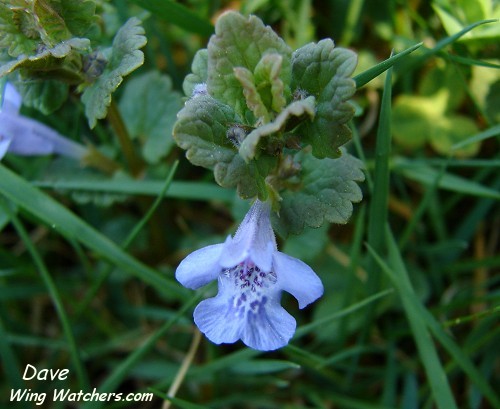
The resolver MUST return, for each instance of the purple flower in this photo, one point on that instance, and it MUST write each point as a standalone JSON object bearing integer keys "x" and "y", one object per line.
{"x": 25, "y": 136}
{"x": 251, "y": 273}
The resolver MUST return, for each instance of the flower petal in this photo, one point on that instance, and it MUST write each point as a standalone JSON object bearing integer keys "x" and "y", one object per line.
{"x": 200, "y": 267}
{"x": 232, "y": 254}
{"x": 30, "y": 137}
{"x": 5, "y": 141}
{"x": 213, "y": 317}
{"x": 297, "y": 278}
{"x": 261, "y": 324}
{"x": 11, "y": 99}
{"x": 35, "y": 138}
{"x": 269, "y": 328}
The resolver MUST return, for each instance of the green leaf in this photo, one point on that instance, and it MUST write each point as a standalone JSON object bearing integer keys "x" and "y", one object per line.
{"x": 201, "y": 129}
{"x": 452, "y": 130}
{"x": 414, "y": 117}
{"x": 45, "y": 95}
{"x": 417, "y": 120}
{"x": 29, "y": 26}
{"x": 241, "y": 42}
{"x": 199, "y": 72}
{"x": 79, "y": 16}
{"x": 298, "y": 109}
{"x": 321, "y": 70}
{"x": 485, "y": 86}
{"x": 325, "y": 193}
{"x": 47, "y": 59}
{"x": 125, "y": 58}
{"x": 473, "y": 12}
{"x": 50, "y": 26}
{"x": 13, "y": 38}
{"x": 264, "y": 91}
{"x": 267, "y": 74}
{"x": 149, "y": 107}
{"x": 252, "y": 95}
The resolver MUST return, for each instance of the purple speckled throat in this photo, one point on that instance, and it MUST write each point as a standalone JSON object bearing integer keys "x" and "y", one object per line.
{"x": 251, "y": 285}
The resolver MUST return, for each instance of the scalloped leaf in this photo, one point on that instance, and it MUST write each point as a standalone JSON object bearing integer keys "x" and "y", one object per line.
{"x": 47, "y": 59}
{"x": 201, "y": 129}
{"x": 267, "y": 74}
{"x": 30, "y": 26}
{"x": 78, "y": 15}
{"x": 149, "y": 108}
{"x": 324, "y": 71}
{"x": 126, "y": 56}
{"x": 252, "y": 96}
{"x": 46, "y": 96}
{"x": 241, "y": 42}
{"x": 327, "y": 190}
{"x": 199, "y": 72}
{"x": 13, "y": 39}
{"x": 298, "y": 109}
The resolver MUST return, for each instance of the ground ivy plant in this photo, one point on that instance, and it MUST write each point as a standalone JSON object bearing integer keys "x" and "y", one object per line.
{"x": 272, "y": 122}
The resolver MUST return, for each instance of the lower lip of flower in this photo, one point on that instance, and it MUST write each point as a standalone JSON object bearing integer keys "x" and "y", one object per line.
{"x": 250, "y": 285}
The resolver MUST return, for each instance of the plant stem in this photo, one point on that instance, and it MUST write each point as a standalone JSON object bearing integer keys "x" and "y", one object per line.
{"x": 184, "y": 368}
{"x": 134, "y": 161}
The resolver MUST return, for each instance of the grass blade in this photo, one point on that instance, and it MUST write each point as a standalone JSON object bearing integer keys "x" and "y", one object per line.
{"x": 428, "y": 176}
{"x": 56, "y": 299}
{"x": 178, "y": 190}
{"x": 130, "y": 238}
{"x": 121, "y": 371}
{"x": 11, "y": 367}
{"x": 413, "y": 306}
{"x": 366, "y": 76}
{"x": 59, "y": 218}
{"x": 442, "y": 44}
{"x": 177, "y": 14}
{"x": 306, "y": 329}
{"x": 378, "y": 207}
{"x": 489, "y": 133}
{"x": 435, "y": 372}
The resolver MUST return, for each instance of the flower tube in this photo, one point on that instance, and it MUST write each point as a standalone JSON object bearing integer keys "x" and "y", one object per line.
{"x": 25, "y": 136}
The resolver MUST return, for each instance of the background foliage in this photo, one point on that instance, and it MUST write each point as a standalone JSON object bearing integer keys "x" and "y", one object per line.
{"x": 409, "y": 318}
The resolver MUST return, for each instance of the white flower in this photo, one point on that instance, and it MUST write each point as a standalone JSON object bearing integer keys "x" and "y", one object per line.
{"x": 251, "y": 274}
{"x": 25, "y": 136}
